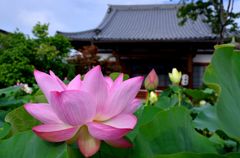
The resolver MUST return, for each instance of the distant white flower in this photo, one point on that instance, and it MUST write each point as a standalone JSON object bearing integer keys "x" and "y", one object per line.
{"x": 26, "y": 88}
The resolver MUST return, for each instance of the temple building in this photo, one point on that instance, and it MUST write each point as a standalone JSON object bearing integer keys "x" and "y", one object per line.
{"x": 143, "y": 37}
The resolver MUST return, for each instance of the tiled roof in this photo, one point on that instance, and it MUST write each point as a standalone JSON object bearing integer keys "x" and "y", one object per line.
{"x": 83, "y": 35}
{"x": 143, "y": 23}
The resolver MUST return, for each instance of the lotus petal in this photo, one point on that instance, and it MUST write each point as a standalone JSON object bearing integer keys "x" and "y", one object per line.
{"x": 43, "y": 112}
{"x": 75, "y": 84}
{"x": 74, "y": 107}
{"x": 95, "y": 83}
{"x": 135, "y": 104}
{"x": 112, "y": 129}
{"x": 109, "y": 81}
{"x": 118, "y": 81}
{"x": 122, "y": 121}
{"x": 87, "y": 144}
{"x": 58, "y": 80}
{"x": 55, "y": 132}
{"x": 120, "y": 98}
{"x": 47, "y": 83}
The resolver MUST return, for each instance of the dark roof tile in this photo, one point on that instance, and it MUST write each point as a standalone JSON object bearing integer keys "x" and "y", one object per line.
{"x": 144, "y": 22}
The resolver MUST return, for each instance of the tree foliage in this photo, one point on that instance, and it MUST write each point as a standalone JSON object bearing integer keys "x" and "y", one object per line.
{"x": 21, "y": 54}
{"x": 214, "y": 12}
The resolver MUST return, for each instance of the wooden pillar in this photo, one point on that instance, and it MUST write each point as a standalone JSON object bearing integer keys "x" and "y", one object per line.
{"x": 119, "y": 61}
{"x": 190, "y": 69}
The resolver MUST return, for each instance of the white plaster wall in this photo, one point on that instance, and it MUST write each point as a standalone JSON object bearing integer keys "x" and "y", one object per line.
{"x": 104, "y": 56}
{"x": 202, "y": 58}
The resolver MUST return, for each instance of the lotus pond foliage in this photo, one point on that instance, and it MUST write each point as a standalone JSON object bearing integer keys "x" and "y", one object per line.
{"x": 99, "y": 116}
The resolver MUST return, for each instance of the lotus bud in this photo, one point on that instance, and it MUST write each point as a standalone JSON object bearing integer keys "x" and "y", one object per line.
{"x": 175, "y": 76}
{"x": 153, "y": 97}
{"x": 151, "y": 81}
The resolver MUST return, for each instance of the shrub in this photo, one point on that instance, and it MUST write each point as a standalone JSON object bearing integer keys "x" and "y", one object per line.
{"x": 21, "y": 54}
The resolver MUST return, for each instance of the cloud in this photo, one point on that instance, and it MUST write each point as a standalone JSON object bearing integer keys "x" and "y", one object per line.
{"x": 29, "y": 18}
{"x": 236, "y": 6}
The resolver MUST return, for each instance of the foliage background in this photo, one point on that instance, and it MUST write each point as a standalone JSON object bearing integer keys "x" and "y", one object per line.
{"x": 21, "y": 54}
{"x": 219, "y": 14}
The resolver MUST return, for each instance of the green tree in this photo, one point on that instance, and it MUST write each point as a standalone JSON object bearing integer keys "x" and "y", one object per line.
{"x": 21, "y": 54}
{"x": 214, "y": 12}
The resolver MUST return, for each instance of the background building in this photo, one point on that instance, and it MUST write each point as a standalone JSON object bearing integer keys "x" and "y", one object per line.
{"x": 143, "y": 37}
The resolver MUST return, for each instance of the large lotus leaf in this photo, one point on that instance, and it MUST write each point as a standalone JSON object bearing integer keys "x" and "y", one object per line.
{"x": 223, "y": 74}
{"x": 11, "y": 102}
{"x": 195, "y": 155}
{"x": 4, "y": 130}
{"x": 114, "y": 75}
{"x": 170, "y": 131}
{"x": 107, "y": 151}
{"x": 198, "y": 94}
{"x": 165, "y": 102}
{"x": 195, "y": 94}
{"x": 3, "y": 113}
{"x": 28, "y": 145}
{"x": 144, "y": 114}
{"x": 20, "y": 120}
{"x": 8, "y": 97}
{"x": 206, "y": 118}
{"x": 39, "y": 97}
{"x": 9, "y": 90}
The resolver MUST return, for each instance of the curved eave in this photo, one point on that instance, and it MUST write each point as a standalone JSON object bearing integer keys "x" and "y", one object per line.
{"x": 83, "y": 35}
{"x": 147, "y": 40}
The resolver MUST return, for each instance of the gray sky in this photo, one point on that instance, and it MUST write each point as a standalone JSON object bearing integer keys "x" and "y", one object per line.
{"x": 63, "y": 15}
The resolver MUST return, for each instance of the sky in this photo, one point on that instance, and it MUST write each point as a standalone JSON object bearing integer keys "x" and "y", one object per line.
{"x": 62, "y": 15}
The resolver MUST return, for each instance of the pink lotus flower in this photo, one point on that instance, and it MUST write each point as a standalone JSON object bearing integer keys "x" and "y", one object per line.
{"x": 151, "y": 81}
{"x": 89, "y": 111}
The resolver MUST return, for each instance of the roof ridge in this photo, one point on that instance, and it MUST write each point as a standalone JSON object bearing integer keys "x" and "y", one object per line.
{"x": 144, "y": 6}
{"x": 107, "y": 18}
